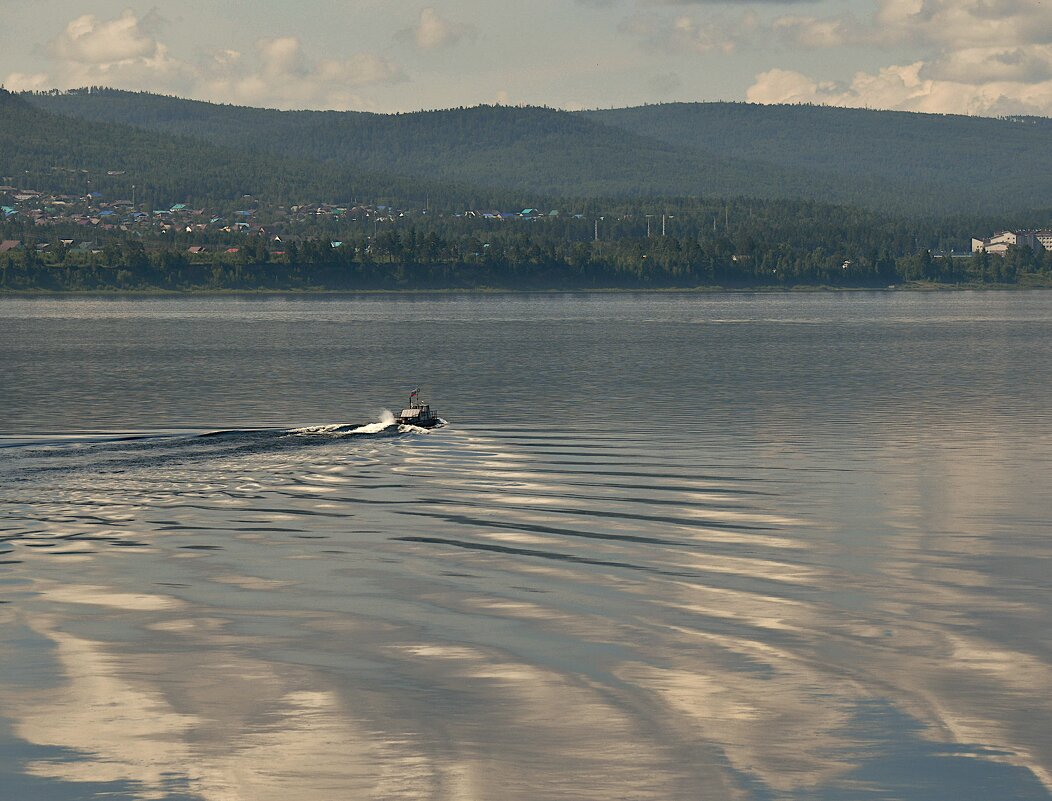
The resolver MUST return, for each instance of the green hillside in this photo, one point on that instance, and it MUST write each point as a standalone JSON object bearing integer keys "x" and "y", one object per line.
{"x": 535, "y": 150}
{"x": 976, "y": 162}
{"x": 895, "y": 161}
{"x": 43, "y": 150}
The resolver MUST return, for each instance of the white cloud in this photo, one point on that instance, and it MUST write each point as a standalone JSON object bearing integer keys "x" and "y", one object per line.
{"x": 281, "y": 58}
{"x": 980, "y": 57}
{"x": 25, "y": 82}
{"x": 121, "y": 51}
{"x": 126, "y": 53}
{"x": 433, "y": 31}
{"x": 285, "y": 77}
{"x": 1026, "y": 64}
{"x": 905, "y": 88}
{"x": 969, "y": 56}
{"x": 88, "y": 40}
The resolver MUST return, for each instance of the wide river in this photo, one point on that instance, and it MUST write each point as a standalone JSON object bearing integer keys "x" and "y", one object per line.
{"x": 668, "y": 547}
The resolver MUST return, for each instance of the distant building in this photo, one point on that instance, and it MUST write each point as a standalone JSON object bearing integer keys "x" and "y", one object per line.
{"x": 10, "y": 244}
{"x": 1002, "y": 240}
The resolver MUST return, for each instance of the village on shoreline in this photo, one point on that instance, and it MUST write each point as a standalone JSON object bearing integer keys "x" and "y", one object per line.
{"x": 67, "y": 242}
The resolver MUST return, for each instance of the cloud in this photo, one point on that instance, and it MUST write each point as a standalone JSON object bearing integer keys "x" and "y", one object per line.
{"x": 1026, "y": 64}
{"x": 965, "y": 23}
{"x": 87, "y": 40}
{"x": 284, "y": 77}
{"x": 433, "y": 31}
{"x": 282, "y": 58}
{"x": 982, "y": 57}
{"x": 125, "y": 52}
{"x": 715, "y": 34}
{"x": 905, "y": 88}
{"x": 815, "y": 32}
{"x": 122, "y": 51}
{"x": 26, "y": 82}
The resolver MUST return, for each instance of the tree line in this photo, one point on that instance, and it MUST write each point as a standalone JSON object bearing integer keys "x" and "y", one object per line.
{"x": 415, "y": 259}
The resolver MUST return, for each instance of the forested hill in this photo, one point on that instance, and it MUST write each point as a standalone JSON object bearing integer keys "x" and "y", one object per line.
{"x": 903, "y": 162}
{"x": 534, "y": 150}
{"x": 47, "y": 151}
{"x": 991, "y": 160}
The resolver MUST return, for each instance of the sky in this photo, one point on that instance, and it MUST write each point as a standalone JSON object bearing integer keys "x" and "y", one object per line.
{"x": 982, "y": 57}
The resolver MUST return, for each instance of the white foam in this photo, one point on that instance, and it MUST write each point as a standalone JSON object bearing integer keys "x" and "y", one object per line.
{"x": 387, "y": 419}
{"x": 329, "y": 429}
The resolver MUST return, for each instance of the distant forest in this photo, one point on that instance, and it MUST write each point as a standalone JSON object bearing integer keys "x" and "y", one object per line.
{"x": 774, "y": 244}
{"x": 891, "y": 161}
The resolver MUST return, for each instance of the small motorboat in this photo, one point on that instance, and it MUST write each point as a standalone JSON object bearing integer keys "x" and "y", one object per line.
{"x": 418, "y": 413}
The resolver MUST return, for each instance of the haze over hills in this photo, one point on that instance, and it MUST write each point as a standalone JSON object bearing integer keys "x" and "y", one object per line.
{"x": 898, "y": 161}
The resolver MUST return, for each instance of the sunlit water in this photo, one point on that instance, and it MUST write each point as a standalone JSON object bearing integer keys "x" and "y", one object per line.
{"x": 667, "y": 547}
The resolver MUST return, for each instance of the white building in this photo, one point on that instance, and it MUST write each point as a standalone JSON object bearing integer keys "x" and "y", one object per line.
{"x": 1002, "y": 240}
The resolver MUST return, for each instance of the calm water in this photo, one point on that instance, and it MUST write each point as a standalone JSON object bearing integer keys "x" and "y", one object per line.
{"x": 668, "y": 547}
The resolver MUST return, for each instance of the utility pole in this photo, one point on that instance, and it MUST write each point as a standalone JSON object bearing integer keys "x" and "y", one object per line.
{"x": 597, "y": 229}
{"x": 664, "y": 217}
{"x": 648, "y": 225}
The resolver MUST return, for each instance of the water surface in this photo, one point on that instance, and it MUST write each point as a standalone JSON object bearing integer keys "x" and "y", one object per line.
{"x": 668, "y": 547}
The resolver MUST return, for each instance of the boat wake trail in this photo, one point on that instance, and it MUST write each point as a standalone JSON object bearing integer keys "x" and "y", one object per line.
{"x": 386, "y": 424}
{"x": 386, "y": 421}
{"x": 122, "y": 451}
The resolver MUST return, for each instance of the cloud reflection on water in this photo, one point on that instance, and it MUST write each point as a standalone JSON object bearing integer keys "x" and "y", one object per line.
{"x": 776, "y": 599}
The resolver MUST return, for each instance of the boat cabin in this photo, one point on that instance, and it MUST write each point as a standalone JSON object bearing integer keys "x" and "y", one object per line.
{"x": 418, "y": 414}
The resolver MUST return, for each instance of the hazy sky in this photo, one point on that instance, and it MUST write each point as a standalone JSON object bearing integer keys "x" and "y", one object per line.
{"x": 959, "y": 56}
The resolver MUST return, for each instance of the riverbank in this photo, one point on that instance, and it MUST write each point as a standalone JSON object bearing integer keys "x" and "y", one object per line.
{"x": 308, "y": 291}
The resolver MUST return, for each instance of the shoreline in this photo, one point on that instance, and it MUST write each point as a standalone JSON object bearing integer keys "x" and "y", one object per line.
{"x": 702, "y": 290}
